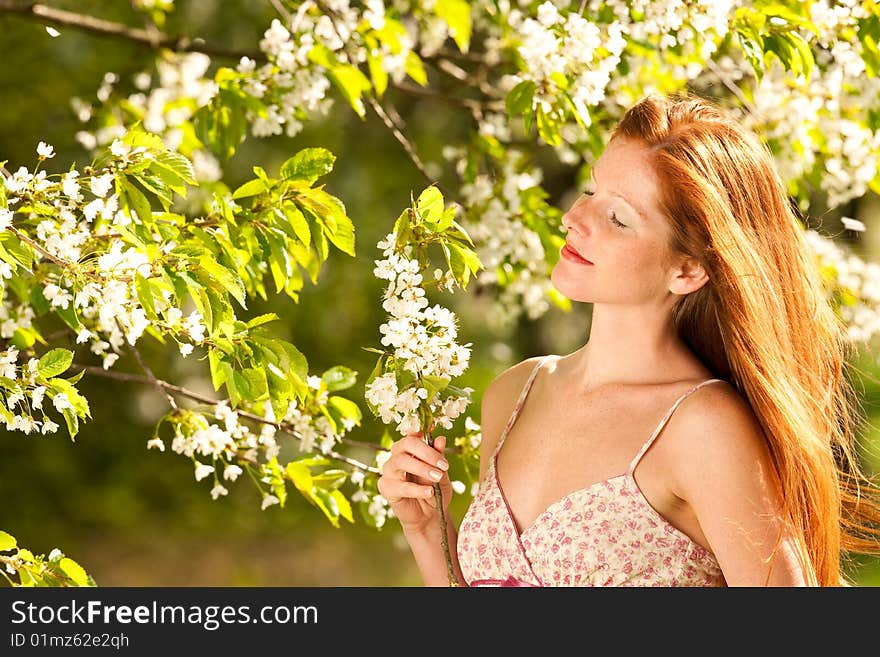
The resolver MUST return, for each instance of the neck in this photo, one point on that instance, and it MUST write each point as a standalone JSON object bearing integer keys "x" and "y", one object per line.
{"x": 628, "y": 345}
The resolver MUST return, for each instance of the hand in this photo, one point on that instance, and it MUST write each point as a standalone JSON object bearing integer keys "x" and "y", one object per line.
{"x": 407, "y": 484}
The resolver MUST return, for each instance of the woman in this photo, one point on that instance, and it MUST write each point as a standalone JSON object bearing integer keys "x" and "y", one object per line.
{"x": 709, "y": 316}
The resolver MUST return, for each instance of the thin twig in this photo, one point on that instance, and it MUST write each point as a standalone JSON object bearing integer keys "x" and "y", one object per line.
{"x": 468, "y": 103}
{"x": 354, "y": 462}
{"x": 304, "y": 7}
{"x": 401, "y": 138}
{"x": 444, "y": 537}
{"x": 137, "y": 378}
{"x": 152, "y": 38}
{"x": 24, "y": 238}
{"x": 153, "y": 379}
{"x": 733, "y": 88}
{"x": 64, "y": 264}
{"x": 281, "y": 10}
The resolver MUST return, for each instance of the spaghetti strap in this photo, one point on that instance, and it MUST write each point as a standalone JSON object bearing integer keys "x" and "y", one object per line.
{"x": 519, "y": 403}
{"x": 635, "y": 461}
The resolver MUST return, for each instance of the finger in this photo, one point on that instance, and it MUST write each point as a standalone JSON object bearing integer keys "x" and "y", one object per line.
{"x": 420, "y": 449}
{"x": 408, "y": 463}
{"x": 394, "y": 490}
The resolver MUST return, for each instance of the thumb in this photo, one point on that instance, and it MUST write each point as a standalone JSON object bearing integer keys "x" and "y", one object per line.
{"x": 440, "y": 443}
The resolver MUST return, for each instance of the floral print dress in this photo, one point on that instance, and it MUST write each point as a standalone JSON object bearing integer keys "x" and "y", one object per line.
{"x": 606, "y": 534}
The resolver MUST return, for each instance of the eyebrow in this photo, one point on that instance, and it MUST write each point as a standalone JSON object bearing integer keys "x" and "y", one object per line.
{"x": 618, "y": 195}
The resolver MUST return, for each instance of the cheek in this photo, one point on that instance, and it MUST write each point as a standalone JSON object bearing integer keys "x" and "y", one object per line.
{"x": 632, "y": 263}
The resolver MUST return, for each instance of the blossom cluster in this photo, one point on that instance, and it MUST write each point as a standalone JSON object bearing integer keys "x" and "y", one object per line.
{"x": 288, "y": 85}
{"x": 223, "y": 445}
{"x": 424, "y": 343}
{"x": 26, "y": 395}
{"x": 854, "y": 281}
{"x": 107, "y": 304}
{"x": 163, "y": 102}
{"x": 504, "y": 241}
{"x": 586, "y": 54}
{"x": 825, "y": 118}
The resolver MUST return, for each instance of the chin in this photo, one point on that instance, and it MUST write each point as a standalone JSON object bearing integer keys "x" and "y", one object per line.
{"x": 568, "y": 287}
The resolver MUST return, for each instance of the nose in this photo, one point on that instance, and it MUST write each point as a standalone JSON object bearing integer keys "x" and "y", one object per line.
{"x": 573, "y": 220}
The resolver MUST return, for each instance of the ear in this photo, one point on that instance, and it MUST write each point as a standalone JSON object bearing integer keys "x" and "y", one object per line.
{"x": 688, "y": 277}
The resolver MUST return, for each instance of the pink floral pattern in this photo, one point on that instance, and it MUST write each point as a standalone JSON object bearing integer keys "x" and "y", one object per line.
{"x": 606, "y": 534}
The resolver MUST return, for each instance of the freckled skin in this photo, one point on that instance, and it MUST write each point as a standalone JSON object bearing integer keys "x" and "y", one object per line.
{"x": 628, "y": 261}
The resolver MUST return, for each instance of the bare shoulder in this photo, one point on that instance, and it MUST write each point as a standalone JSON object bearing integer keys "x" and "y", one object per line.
{"x": 724, "y": 471}
{"x": 717, "y": 424}
{"x": 496, "y": 405}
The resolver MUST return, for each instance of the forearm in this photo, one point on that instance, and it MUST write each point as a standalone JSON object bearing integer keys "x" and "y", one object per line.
{"x": 428, "y": 552}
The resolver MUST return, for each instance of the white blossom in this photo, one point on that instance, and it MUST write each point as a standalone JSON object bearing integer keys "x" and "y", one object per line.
{"x": 268, "y": 500}
{"x": 218, "y": 490}
{"x": 45, "y": 151}
{"x": 203, "y": 470}
{"x": 60, "y": 401}
{"x": 156, "y": 443}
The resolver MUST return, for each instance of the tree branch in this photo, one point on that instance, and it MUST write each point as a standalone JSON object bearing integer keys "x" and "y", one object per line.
{"x": 137, "y": 378}
{"x": 152, "y": 377}
{"x": 401, "y": 138}
{"x": 467, "y": 103}
{"x": 152, "y": 38}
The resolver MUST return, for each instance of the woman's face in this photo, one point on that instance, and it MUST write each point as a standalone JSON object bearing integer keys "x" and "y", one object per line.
{"x": 618, "y": 227}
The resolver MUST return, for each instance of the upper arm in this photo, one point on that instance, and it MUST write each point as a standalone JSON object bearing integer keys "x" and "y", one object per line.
{"x": 496, "y": 406}
{"x": 734, "y": 490}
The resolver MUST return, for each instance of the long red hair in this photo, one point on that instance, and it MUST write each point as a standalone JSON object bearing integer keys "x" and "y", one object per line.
{"x": 764, "y": 321}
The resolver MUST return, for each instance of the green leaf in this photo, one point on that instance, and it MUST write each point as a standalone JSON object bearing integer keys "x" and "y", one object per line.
{"x": 342, "y": 236}
{"x": 519, "y": 99}
{"x": 218, "y": 374}
{"x": 72, "y": 422}
{"x": 446, "y": 220}
{"x": 415, "y": 68}
{"x": 347, "y": 408}
{"x": 309, "y": 164}
{"x": 277, "y": 481}
{"x": 430, "y": 205}
{"x": 379, "y": 368}
{"x": 7, "y": 541}
{"x": 548, "y": 127}
{"x": 222, "y": 123}
{"x": 378, "y": 73}
{"x": 353, "y": 84}
{"x": 434, "y": 384}
{"x": 339, "y": 378}
{"x": 145, "y": 296}
{"x": 176, "y": 164}
{"x": 301, "y": 476}
{"x": 256, "y": 381}
{"x": 228, "y": 279}
{"x": 138, "y": 201}
{"x": 22, "y": 253}
{"x": 74, "y": 571}
{"x": 463, "y": 262}
{"x": 54, "y": 362}
{"x": 250, "y": 188}
{"x": 328, "y": 504}
{"x": 298, "y": 223}
{"x": 259, "y": 320}
{"x": 80, "y": 404}
{"x": 231, "y": 387}
{"x": 69, "y": 316}
{"x": 343, "y": 504}
{"x": 457, "y": 14}
{"x": 297, "y": 362}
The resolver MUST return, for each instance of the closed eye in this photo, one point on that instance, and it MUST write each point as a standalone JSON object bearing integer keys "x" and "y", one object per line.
{"x": 613, "y": 217}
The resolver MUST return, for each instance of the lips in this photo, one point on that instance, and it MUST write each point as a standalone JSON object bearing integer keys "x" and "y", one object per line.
{"x": 569, "y": 251}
